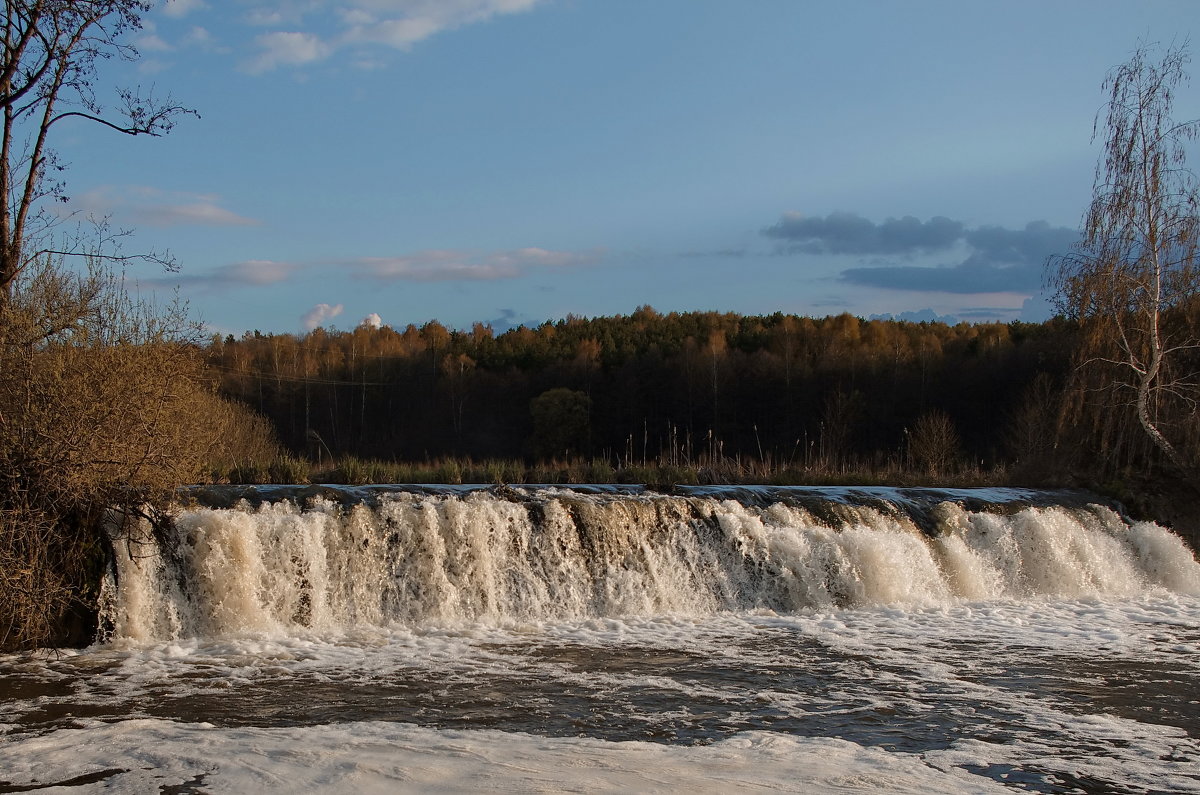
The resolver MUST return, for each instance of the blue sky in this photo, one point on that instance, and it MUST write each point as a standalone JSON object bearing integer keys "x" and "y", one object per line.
{"x": 513, "y": 161}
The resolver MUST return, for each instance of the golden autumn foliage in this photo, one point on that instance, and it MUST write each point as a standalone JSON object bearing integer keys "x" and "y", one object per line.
{"x": 105, "y": 409}
{"x": 839, "y": 393}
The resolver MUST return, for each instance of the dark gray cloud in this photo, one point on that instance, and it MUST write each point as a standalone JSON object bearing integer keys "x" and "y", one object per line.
{"x": 994, "y": 259}
{"x": 918, "y": 316}
{"x": 850, "y": 233}
{"x": 999, "y": 261}
{"x": 1031, "y": 245}
{"x": 509, "y": 320}
{"x": 1036, "y": 309}
{"x": 986, "y": 313}
{"x": 971, "y": 276}
{"x": 834, "y": 301}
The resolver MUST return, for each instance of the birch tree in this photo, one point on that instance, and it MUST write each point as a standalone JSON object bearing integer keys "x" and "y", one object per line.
{"x": 1132, "y": 281}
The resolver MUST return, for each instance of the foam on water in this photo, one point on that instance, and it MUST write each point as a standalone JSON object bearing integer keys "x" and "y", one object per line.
{"x": 415, "y": 559}
{"x": 147, "y": 755}
{"x": 963, "y": 697}
{"x": 627, "y": 642}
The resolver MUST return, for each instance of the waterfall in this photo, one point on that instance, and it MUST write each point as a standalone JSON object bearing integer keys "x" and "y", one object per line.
{"x": 284, "y": 561}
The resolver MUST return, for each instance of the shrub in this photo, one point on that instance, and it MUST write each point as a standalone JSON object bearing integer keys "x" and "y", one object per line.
{"x": 105, "y": 410}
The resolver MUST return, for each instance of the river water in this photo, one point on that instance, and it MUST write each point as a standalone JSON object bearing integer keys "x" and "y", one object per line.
{"x": 605, "y": 640}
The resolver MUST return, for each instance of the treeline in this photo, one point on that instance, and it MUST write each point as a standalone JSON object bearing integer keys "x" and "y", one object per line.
{"x": 839, "y": 392}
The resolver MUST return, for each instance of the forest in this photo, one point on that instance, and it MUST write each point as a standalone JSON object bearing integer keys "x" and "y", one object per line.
{"x": 835, "y": 394}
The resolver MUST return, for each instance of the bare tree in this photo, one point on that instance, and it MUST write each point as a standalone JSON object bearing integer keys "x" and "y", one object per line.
{"x": 48, "y": 67}
{"x": 1132, "y": 281}
{"x": 933, "y": 444}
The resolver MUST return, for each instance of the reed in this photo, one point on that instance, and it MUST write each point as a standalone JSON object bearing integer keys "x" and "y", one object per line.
{"x": 662, "y": 472}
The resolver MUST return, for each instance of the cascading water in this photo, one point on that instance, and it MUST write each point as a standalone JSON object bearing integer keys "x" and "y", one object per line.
{"x": 452, "y": 639}
{"x": 551, "y": 554}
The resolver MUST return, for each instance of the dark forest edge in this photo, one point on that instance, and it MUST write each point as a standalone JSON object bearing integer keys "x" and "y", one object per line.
{"x": 838, "y": 394}
{"x": 735, "y": 396}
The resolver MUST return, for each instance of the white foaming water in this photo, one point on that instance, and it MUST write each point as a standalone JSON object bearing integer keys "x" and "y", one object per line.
{"x": 415, "y": 560}
{"x": 567, "y": 642}
{"x": 973, "y": 697}
{"x": 388, "y": 758}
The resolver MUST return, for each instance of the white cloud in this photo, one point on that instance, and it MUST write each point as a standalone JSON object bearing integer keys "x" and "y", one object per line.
{"x": 287, "y": 49}
{"x": 431, "y": 266}
{"x": 152, "y": 43}
{"x": 264, "y": 17}
{"x": 372, "y": 320}
{"x": 251, "y": 273}
{"x": 198, "y": 37}
{"x": 151, "y": 66}
{"x": 319, "y": 315}
{"x": 291, "y": 13}
{"x": 255, "y": 272}
{"x": 399, "y": 33}
{"x": 544, "y": 257}
{"x": 356, "y": 16}
{"x": 181, "y": 8}
{"x": 417, "y": 21}
{"x": 194, "y": 214}
{"x": 439, "y": 265}
{"x": 146, "y": 206}
{"x": 450, "y": 265}
{"x": 395, "y": 24}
